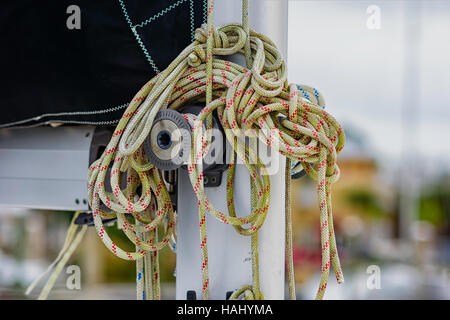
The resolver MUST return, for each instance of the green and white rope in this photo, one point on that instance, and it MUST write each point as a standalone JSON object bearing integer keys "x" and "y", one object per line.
{"x": 254, "y": 98}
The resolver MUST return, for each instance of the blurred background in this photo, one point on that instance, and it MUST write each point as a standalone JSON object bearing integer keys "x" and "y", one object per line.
{"x": 384, "y": 69}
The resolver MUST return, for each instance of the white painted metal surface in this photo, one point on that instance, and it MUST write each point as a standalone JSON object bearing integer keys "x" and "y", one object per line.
{"x": 45, "y": 167}
{"x": 229, "y": 252}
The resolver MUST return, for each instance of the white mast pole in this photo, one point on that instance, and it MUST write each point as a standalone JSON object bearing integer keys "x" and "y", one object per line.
{"x": 268, "y": 17}
{"x": 229, "y": 252}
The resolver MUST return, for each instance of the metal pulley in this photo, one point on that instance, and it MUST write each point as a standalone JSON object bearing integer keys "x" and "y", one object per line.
{"x": 215, "y": 161}
{"x": 169, "y": 143}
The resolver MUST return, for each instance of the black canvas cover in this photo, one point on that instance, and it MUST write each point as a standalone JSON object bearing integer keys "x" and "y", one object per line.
{"x": 51, "y": 70}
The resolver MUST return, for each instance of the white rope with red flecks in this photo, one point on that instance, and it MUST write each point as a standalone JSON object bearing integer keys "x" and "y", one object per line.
{"x": 257, "y": 98}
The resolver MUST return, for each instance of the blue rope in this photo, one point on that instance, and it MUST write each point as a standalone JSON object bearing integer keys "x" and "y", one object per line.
{"x": 305, "y": 94}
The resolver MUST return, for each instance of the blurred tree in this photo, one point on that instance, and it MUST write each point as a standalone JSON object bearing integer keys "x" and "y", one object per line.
{"x": 434, "y": 204}
{"x": 365, "y": 201}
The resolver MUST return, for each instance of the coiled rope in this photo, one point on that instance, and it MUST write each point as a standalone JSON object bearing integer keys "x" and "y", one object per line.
{"x": 257, "y": 97}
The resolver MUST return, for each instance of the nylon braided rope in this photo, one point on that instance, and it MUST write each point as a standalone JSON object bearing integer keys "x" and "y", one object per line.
{"x": 74, "y": 236}
{"x": 289, "y": 118}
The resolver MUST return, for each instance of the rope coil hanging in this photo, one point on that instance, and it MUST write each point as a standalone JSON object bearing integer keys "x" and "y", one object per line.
{"x": 254, "y": 98}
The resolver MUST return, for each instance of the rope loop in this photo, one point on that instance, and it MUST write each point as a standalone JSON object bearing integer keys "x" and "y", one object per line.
{"x": 247, "y": 293}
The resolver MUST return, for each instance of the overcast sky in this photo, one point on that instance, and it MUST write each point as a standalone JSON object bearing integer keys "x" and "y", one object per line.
{"x": 361, "y": 71}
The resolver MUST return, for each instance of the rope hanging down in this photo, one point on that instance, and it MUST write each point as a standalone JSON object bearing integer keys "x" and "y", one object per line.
{"x": 257, "y": 97}
{"x": 74, "y": 237}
